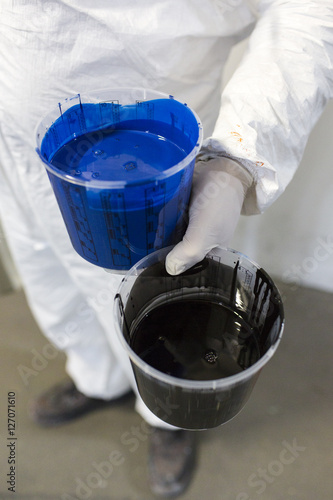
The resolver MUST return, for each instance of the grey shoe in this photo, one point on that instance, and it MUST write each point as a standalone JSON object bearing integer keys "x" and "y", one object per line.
{"x": 171, "y": 461}
{"x": 64, "y": 402}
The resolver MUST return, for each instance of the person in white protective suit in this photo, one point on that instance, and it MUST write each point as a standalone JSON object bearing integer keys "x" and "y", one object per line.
{"x": 255, "y": 132}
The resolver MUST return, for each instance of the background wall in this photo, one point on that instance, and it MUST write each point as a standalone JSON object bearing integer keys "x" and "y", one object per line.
{"x": 293, "y": 239}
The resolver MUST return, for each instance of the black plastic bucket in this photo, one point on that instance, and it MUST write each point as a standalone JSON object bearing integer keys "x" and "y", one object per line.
{"x": 231, "y": 281}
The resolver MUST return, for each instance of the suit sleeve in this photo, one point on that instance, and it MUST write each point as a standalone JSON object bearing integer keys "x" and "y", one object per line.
{"x": 276, "y": 95}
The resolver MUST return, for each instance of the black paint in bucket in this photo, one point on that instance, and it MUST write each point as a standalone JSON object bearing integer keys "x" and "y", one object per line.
{"x": 198, "y": 341}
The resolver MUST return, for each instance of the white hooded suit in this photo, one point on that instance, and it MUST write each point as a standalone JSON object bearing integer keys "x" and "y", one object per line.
{"x": 55, "y": 49}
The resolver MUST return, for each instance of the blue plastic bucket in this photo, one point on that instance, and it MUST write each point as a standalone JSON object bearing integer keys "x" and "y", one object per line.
{"x": 121, "y": 163}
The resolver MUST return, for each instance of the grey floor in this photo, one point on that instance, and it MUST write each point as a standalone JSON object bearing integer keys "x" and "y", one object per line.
{"x": 278, "y": 448}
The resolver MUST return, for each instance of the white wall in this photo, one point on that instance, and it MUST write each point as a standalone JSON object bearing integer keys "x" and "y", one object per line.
{"x": 294, "y": 238}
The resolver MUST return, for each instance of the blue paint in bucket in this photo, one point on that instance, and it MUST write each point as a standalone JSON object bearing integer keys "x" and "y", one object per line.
{"x": 121, "y": 174}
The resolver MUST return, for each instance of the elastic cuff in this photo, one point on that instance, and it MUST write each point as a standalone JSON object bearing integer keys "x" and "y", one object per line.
{"x": 214, "y": 149}
{"x": 232, "y": 166}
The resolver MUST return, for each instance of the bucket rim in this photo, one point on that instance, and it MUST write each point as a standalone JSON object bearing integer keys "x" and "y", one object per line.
{"x": 222, "y": 383}
{"x": 99, "y": 184}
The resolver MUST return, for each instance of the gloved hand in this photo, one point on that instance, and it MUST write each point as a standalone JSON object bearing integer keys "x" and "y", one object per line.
{"x": 218, "y": 191}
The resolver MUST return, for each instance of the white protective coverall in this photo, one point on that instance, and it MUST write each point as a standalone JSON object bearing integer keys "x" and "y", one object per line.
{"x": 50, "y": 50}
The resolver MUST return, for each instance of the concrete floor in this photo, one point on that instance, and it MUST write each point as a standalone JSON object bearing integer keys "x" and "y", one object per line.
{"x": 278, "y": 448}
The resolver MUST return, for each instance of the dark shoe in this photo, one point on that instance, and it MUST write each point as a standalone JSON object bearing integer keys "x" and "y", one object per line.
{"x": 171, "y": 461}
{"x": 63, "y": 403}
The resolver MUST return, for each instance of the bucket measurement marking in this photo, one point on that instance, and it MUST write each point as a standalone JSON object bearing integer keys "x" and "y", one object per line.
{"x": 114, "y": 210}
{"x": 144, "y": 110}
{"x": 75, "y": 119}
{"x": 263, "y": 296}
{"x": 155, "y": 217}
{"x": 80, "y": 219}
{"x": 182, "y": 202}
{"x": 105, "y": 111}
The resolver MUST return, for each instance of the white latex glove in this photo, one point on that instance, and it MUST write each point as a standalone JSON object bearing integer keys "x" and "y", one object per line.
{"x": 218, "y": 192}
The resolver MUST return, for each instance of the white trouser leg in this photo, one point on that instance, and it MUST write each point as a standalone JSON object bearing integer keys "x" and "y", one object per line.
{"x": 58, "y": 307}
{"x": 72, "y": 302}
{"x": 106, "y": 317}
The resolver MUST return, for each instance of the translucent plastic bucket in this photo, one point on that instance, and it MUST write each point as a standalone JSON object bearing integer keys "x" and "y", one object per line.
{"x": 120, "y": 163}
{"x": 249, "y": 333}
